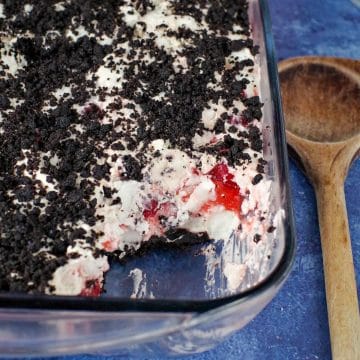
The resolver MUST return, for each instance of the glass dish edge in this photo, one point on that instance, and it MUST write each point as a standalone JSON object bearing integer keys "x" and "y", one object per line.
{"x": 21, "y": 301}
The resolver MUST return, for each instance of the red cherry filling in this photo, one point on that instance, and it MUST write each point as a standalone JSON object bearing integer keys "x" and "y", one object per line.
{"x": 93, "y": 288}
{"x": 152, "y": 209}
{"x": 107, "y": 245}
{"x": 227, "y": 191}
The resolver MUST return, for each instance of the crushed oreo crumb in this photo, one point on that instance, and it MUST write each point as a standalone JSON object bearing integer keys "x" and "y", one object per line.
{"x": 257, "y": 238}
{"x": 257, "y": 178}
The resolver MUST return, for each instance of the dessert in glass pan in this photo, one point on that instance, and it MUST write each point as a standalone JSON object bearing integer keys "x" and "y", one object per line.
{"x": 125, "y": 127}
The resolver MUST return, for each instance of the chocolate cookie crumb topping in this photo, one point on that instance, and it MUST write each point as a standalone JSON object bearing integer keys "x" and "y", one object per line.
{"x": 107, "y": 110}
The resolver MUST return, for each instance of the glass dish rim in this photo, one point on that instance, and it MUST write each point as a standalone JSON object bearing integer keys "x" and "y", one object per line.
{"x": 117, "y": 304}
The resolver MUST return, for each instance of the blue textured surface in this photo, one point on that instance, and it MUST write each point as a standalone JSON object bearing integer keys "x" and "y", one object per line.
{"x": 294, "y": 325}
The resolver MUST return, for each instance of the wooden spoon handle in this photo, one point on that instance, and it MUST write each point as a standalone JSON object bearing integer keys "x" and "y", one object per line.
{"x": 340, "y": 284}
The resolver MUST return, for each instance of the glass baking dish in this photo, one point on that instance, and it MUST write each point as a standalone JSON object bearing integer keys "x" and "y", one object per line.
{"x": 181, "y": 320}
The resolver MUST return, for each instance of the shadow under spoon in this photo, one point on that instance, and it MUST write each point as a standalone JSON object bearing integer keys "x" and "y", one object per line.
{"x": 321, "y": 101}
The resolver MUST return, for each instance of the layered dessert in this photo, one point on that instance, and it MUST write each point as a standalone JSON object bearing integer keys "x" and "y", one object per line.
{"x": 125, "y": 125}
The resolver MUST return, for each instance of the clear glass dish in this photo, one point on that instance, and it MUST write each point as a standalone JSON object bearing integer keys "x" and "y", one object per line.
{"x": 182, "y": 319}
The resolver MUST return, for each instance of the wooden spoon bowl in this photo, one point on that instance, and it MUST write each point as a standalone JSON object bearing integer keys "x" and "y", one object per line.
{"x": 321, "y": 100}
{"x": 331, "y": 102}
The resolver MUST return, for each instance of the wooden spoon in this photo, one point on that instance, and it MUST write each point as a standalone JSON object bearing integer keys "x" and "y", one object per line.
{"x": 321, "y": 99}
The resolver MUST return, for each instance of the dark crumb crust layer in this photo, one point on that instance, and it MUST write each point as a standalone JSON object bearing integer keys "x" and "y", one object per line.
{"x": 33, "y": 218}
{"x": 174, "y": 239}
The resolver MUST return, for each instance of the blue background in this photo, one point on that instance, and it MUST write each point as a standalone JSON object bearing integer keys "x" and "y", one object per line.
{"x": 294, "y": 325}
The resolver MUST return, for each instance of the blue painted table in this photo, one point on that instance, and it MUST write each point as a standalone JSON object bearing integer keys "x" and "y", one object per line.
{"x": 294, "y": 326}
